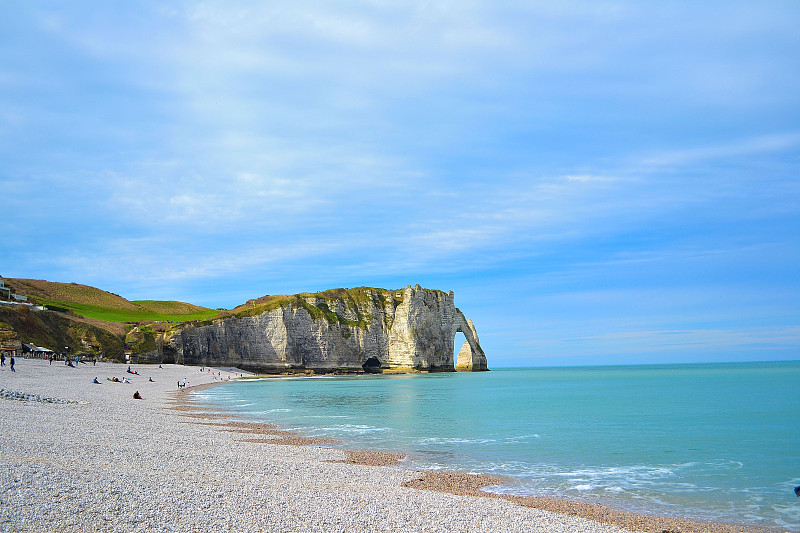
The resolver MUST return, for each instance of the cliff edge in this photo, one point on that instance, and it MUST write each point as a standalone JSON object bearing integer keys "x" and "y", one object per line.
{"x": 342, "y": 330}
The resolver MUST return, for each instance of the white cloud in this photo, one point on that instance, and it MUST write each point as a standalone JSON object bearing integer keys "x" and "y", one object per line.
{"x": 762, "y": 144}
{"x": 588, "y": 178}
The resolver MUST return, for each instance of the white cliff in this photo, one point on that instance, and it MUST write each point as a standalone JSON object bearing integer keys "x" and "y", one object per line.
{"x": 351, "y": 330}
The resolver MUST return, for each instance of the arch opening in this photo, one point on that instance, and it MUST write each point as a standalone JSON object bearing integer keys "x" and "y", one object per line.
{"x": 460, "y": 344}
{"x": 470, "y": 357}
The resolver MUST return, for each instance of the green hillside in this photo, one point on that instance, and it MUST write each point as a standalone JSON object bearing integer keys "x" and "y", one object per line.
{"x": 170, "y": 307}
{"x": 92, "y": 302}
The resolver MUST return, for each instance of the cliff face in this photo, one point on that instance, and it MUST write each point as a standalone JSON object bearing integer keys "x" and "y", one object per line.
{"x": 367, "y": 330}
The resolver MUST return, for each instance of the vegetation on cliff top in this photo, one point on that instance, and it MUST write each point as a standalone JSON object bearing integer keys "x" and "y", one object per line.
{"x": 318, "y": 304}
{"x": 94, "y": 303}
{"x": 91, "y": 302}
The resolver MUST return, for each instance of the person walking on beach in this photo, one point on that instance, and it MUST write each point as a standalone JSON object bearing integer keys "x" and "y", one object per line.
{"x": 12, "y": 364}
{"x": 3, "y": 359}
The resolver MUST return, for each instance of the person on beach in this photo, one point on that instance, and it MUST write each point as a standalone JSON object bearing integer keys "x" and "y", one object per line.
{"x": 12, "y": 364}
{"x": 137, "y": 396}
{"x": 150, "y": 379}
{"x": 95, "y": 380}
{"x": 3, "y": 359}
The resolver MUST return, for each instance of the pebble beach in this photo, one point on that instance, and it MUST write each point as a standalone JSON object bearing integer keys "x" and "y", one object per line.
{"x": 81, "y": 456}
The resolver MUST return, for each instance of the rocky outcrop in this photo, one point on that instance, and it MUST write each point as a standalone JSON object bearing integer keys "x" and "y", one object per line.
{"x": 346, "y": 330}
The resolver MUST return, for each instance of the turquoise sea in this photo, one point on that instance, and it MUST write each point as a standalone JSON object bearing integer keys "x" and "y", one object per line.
{"x": 715, "y": 441}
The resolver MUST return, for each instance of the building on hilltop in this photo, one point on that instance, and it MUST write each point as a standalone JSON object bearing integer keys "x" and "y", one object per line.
{"x": 7, "y": 293}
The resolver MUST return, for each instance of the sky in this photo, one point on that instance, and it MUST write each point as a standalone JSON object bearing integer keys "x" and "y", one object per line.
{"x": 599, "y": 182}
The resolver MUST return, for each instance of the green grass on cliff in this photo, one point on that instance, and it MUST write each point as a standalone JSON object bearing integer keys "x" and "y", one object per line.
{"x": 171, "y": 307}
{"x": 94, "y": 303}
{"x": 91, "y": 302}
{"x": 138, "y": 314}
{"x": 356, "y": 299}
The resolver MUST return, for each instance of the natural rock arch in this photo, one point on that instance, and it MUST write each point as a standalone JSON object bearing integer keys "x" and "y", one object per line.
{"x": 471, "y": 357}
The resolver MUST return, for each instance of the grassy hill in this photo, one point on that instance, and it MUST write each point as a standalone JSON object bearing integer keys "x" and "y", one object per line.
{"x": 95, "y": 303}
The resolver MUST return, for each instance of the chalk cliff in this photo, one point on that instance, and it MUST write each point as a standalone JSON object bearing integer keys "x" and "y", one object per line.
{"x": 350, "y": 330}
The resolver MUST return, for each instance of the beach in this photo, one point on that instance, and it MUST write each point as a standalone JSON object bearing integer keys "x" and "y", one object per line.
{"x": 80, "y": 456}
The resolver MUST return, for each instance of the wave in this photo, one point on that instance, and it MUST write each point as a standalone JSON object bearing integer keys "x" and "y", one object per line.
{"x": 454, "y": 440}
{"x": 352, "y": 428}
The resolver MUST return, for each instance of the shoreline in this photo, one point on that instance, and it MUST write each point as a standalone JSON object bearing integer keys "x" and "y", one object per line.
{"x": 470, "y": 484}
{"x": 102, "y": 461}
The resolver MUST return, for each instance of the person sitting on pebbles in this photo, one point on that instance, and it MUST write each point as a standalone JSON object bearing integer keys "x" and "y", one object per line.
{"x": 137, "y": 396}
{"x": 95, "y": 380}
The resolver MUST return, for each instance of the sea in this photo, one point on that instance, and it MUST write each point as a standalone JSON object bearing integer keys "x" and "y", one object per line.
{"x": 717, "y": 442}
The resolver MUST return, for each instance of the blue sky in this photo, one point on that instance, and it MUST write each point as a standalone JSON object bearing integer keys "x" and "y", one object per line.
{"x": 599, "y": 182}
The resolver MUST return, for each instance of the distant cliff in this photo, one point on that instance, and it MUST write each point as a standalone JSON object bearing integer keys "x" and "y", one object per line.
{"x": 342, "y": 330}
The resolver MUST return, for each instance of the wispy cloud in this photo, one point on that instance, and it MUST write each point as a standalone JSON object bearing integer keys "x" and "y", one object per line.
{"x": 763, "y": 144}
{"x": 303, "y": 143}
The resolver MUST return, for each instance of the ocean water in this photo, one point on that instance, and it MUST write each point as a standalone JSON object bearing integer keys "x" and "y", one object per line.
{"x": 716, "y": 441}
